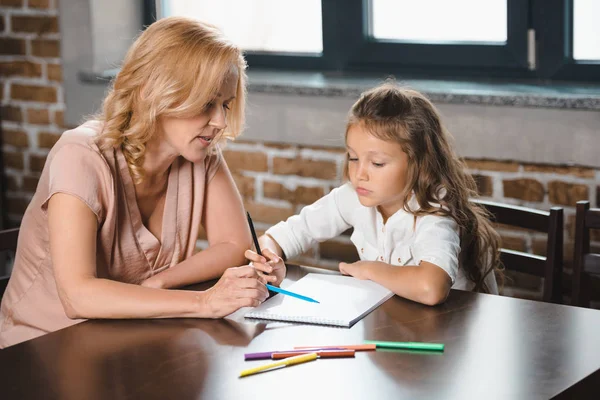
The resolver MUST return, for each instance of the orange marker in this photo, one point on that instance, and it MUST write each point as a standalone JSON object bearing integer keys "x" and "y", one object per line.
{"x": 357, "y": 347}
{"x": 321, "y": 354}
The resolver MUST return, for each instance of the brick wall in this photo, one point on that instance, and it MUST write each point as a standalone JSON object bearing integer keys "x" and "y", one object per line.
{"x": 31, "y": 94}
{"x": 275, "y": 180}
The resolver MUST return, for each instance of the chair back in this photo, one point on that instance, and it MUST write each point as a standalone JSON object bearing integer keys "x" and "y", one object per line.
{"x": 550, "y": 222}
{"x": 586, "y": 265}
{"x": 8, "y": 242}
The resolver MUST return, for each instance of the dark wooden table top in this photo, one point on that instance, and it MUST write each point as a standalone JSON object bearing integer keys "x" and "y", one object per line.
{"x": 496, "y": 348}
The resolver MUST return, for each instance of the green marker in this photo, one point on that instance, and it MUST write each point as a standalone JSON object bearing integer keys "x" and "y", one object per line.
{"x": 407, "y": 345}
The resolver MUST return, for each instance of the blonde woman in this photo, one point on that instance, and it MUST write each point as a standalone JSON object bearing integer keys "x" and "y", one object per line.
{"x": 117, "y": 211}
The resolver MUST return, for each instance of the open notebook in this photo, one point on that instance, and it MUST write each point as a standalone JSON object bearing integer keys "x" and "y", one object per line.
{"x": 343, "y": 300}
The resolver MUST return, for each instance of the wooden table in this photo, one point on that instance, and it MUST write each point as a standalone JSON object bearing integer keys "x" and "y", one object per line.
{"x": 496, "y": 348}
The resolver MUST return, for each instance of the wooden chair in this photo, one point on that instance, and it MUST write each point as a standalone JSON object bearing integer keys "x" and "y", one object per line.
{"x": 8, "y": 242}
{"x": 586, "y": 265}
{"x": 550, "y": 222}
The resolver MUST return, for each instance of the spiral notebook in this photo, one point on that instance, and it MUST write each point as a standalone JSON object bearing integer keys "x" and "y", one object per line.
{"x": 343, "y": 301}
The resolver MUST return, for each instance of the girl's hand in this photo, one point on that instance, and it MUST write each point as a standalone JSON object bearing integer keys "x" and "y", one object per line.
{"x": 238, "y": 287}
{"x": 274, "y": 267}
{"x": 359, "y": 269}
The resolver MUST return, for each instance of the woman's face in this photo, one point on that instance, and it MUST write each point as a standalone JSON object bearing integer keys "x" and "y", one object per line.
{"x": 191, "y": 137}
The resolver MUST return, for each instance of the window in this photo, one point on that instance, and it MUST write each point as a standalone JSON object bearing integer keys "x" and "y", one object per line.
{"x": 441, "y": 37}
{"x": 567, "y": 39}
{"x": 259, "y": 25}
{"x": 531, "y": 39}
{"x": 268, "y": 30}
{"x": 453, "y": 21}
{"x": 586, "y": 31}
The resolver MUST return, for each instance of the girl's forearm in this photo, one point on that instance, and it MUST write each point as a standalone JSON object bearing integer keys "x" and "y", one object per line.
{"x": 412, "y": 282}
{"x": 203, "y": 266}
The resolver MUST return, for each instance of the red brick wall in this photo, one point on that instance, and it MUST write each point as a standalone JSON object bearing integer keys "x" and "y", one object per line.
{"x": 30, "y": 94}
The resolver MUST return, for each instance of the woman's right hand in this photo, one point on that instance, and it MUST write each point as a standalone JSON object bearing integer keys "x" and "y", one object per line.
{"x": 238, "y": 287}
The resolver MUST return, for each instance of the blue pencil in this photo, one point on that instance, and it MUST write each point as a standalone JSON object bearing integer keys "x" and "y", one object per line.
{"x": 288, "y": 293}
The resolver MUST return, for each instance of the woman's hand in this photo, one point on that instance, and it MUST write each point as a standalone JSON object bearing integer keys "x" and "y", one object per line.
{"x": 274, "y": 266}
{"x": 238, "y": 287}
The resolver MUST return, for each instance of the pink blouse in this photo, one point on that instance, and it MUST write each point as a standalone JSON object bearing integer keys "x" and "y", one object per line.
{"x": 126, "y": 250}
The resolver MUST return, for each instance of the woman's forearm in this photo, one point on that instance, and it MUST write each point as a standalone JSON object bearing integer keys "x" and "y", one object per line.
{"x": 104, "y": 298}
{"x": 203, "y": 266}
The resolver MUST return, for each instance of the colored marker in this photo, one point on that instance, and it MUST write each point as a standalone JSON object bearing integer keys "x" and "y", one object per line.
{"x": 283, "y": 363}
{"x": 292, "y": 294}
{"x": 357, "y": 347}
{"x": 321, "y": 354}
{"x": 407, "y": 345}
{"x": 266, "y": 355}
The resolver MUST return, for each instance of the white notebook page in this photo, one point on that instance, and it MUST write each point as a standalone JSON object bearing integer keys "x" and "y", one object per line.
{"x": 343, "y": 300}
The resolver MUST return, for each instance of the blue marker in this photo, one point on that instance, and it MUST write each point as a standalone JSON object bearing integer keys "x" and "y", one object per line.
{"x": 288, "y": 293}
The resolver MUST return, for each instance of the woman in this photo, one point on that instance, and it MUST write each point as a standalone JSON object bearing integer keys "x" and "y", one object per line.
{"x": 117, "y": 211}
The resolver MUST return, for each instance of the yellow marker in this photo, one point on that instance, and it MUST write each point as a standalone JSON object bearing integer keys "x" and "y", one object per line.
{"x": 285, "y": 362}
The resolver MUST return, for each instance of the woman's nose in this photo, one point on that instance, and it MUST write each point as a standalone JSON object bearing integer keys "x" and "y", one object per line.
{"x": 217, "y": 118}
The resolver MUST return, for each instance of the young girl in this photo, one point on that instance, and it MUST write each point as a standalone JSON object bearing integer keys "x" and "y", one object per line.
{"x": 407, "y": 199}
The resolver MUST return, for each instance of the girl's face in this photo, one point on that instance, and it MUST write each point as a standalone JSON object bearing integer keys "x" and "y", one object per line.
{"x": 190, "y": 137}
{"x": 377, "y": 169}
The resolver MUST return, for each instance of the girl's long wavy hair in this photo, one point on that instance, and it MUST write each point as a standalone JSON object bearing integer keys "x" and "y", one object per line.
{"x": 174, "y": 69}
{"x": 435, "y": 173}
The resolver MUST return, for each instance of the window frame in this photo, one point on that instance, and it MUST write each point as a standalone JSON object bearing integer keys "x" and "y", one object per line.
{"x": 452, "y": 56}
{"x": 349, "y": 48}
{"x": 553, "y": 22}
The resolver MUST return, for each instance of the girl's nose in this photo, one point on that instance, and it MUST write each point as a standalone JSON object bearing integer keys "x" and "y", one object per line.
{"x": 361, "y": 173}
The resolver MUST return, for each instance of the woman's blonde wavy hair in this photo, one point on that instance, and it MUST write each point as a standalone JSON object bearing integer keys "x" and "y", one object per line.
{"x": 435, "y": 174}
{"x": 174, "y": 69}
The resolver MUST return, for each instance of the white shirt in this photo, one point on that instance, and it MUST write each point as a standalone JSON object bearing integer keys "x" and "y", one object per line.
{"x": 400, "y": 241}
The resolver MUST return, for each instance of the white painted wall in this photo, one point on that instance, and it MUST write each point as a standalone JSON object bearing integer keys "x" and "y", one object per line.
{"x": 536, "y": 135}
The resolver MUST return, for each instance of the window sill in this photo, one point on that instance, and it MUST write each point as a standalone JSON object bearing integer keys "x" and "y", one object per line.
{"x": 552, "y": 95}
{"x": 563, "y": 96}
